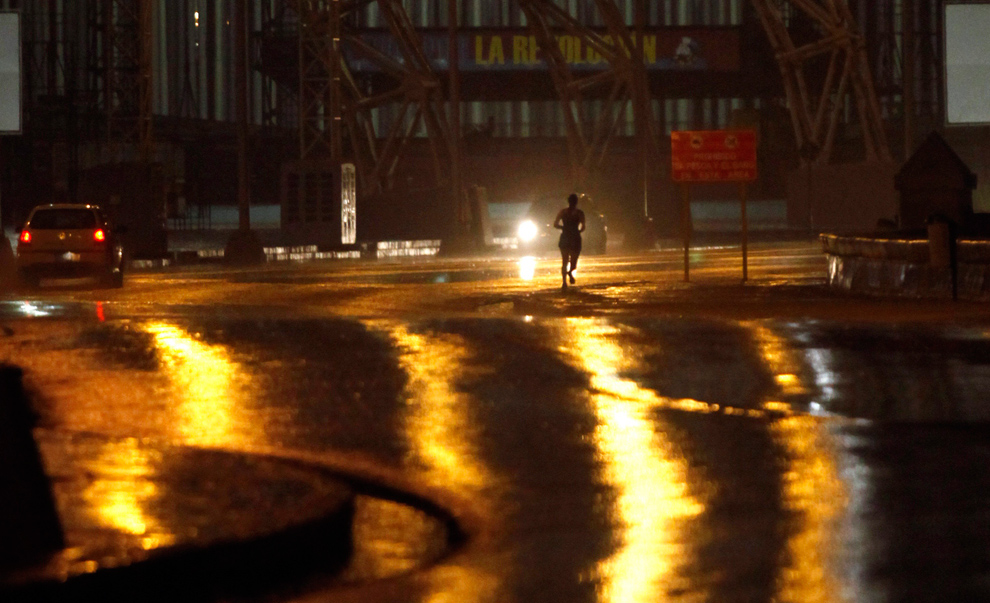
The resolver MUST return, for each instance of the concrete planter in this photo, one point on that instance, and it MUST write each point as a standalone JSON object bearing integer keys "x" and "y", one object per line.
{"x": 902, "y": 267}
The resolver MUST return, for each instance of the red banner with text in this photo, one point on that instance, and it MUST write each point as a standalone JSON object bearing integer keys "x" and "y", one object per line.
{"x": 713, "y": 156}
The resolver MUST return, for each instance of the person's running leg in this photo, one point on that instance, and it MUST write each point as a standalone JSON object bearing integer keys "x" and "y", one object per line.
{"x": 564, "y": 257}
{"x": 573, "y": 265}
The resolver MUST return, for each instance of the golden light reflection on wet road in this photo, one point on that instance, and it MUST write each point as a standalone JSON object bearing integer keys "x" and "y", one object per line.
{"x": 778, "y": 358}
{"x": 439, "y": 426}
{"x": 816, "y": 496}
{"x": 210, "y": 390}
{"x": 444, "y": 445}
{"x": 653, "y": 480}
{"x": 527, "y": 268}
{"x": 122, "y": 497}
{"x": 812, "y": 488}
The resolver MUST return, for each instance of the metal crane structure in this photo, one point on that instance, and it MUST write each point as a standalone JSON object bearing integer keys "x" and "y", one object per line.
{"x": 89, "y": 79}
{"x": 816, "y": 107}
{"x": 329, "y": 97}
{"x": 621, "y": 84}
{"x": 905, "y": 56}
{"x": 335, "y": 112}
{"x": 88, "y": 68}
{"x": 120, "y": 53}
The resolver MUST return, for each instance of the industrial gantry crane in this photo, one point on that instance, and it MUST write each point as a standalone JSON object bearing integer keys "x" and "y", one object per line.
{"x": 120, "y": 35}
{"x": 335, "y": 111}
{"x": 620, "y": 83}
{"x": 816, "y": 107}
{"x": 335, "y": 108}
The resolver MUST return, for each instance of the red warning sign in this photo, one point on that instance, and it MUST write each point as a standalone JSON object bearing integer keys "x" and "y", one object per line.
{"x": 713, "y": 156}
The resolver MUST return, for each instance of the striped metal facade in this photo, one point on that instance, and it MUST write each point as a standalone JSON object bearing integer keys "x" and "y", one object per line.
{"x": 193, "y": 70}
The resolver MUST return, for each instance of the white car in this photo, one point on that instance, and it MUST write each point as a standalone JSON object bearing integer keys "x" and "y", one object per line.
{"x": 68, "y": 241}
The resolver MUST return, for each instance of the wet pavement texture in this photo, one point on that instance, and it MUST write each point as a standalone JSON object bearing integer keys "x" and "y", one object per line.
{"x": 635, "y": 438}
{"x": 133, "y": 513}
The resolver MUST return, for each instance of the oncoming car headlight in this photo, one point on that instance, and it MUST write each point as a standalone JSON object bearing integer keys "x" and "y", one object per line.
{"x": 527, "y": 231}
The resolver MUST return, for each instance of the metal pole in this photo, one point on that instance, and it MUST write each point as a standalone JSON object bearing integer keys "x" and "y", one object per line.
{"x": 240, "y": 67}
{"x": 210, "y": 25}
{"x": 642, "y": 102}
{"x": 686, "y": 228}
{"x": 145, "y": 41}
{"x": 454, "y": 73}
{"x": 336, "y": 129}
{"x": 907, "y": 6}
{"x": 52, "y": 51}
{"x": 109, "y": 73}
{"x": 745, "y": 231}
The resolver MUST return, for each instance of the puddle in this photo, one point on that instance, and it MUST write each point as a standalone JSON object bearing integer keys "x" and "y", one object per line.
{"x": 137, "y": 514}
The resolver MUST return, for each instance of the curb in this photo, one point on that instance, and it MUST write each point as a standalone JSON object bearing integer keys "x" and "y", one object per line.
{"x": 217, "y": 572}
{"x": 372, "y": 250}
{"x": 219, "y": 524}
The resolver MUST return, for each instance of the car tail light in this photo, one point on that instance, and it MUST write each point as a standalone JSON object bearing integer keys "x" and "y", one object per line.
{"x": 25, "y": 237}
{"x": 99, "y": 236}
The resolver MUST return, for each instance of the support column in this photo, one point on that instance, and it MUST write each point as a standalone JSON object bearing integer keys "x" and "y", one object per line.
{"x": 244, "y": 247}
{"x": 241, "y": 87}
{"x": 336, "y": 129}
{"x": 454, "y": 73}
{"x": 641, "y": 106}
{"x": 908, "y": 77}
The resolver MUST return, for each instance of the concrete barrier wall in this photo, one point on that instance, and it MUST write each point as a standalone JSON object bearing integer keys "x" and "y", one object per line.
{"x": 901, "y": 267}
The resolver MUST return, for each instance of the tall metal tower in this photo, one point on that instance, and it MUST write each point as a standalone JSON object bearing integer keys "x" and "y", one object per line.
{"x": 120, "y": 71}
{"x": 335, "y": 111}
{"x": 622, "y": 83}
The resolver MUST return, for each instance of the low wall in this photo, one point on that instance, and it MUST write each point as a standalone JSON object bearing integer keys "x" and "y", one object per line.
{"x": 902, "y": 268}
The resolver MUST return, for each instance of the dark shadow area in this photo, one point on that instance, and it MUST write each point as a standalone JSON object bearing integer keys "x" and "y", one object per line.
{"x": 922, "y": 511}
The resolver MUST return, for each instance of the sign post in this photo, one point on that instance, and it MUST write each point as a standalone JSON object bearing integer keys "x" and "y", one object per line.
{"x": 745, "y": 230}
{"x": 713, "y": 156}
{"x": 686, "y": 228}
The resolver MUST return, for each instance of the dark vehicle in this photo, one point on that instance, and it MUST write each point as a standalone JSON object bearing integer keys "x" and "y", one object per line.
{"x": 535, "y": 232}
{"x": 69, "y": 241}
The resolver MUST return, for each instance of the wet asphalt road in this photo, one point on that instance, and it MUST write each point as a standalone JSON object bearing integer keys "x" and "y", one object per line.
{"x": 635, "y": 438}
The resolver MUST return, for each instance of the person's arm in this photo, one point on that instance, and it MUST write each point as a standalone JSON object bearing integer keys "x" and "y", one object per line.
{"x": 558, "y": 222}
{"x": 580, "y": 221}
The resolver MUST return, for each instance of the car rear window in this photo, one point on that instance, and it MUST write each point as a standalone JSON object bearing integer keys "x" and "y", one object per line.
{"x": 63, "y": 219}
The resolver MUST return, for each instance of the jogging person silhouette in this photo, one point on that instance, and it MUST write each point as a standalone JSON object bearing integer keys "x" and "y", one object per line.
{"x": 570, "y": 221}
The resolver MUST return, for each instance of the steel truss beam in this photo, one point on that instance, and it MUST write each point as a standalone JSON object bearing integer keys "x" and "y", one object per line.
{"x": 332, "y": 124}
{"x": 335, "y": 114}
{"x": 905, "y": 56}
{"x": 276, "y": 97}
{"x": 120, "y": 55}
{"x": 817, "y": 112}
{"x": 623, "y": 77}
{"x": 46, "y": 79}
